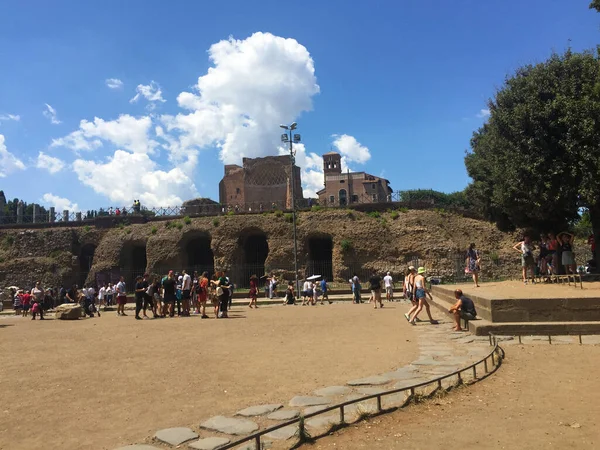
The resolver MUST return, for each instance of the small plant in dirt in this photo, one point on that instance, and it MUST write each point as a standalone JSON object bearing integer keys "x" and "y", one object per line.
{"x": 187, "y": 220}
{"x": 86, "y": 228}
{"x": 289, "y": 217}
{"x": 168, "y": 224}
{"x": 351, "y": 215}
{"x": 278, "y": 213}
{"x": 231, "y": 213}
{"x": 315, "y": 208}
{"x": 374, "y": 214}
{"x": 302, "y": 433}
{"x": 215, "y": 222}
{"x": 394, "y": 215}
{"x": 153, "y": 230}
{"x": 179, "y": 225}
{"x": 495, "y": 257}
{"x": 346, "y": 245}
{"x": 404, "y": 209}
{"x": 8, "y": 241}
{"x": 121, "y": 225}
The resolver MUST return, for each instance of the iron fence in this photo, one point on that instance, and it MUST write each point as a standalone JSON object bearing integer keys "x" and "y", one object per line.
{"x": 393, "y": 200}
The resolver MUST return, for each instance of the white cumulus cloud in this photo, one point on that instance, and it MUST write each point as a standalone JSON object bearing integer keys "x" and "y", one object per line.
{"x": 49, "y": 163}
{"x": 128, "y": 176}
{"x": 351, "y": 150}
{"x": 9, "y": 163}
{"x": 483, "y": 113}
{"x": 113, "y": 83}
{"x": 254, "y": 85}
{"x": 126, "y": 132}
{"x": 150, "y": 92}
{"x": 50, "y": 114}
{"x": 7, "y": 117}
{"x": 60, "y": 203}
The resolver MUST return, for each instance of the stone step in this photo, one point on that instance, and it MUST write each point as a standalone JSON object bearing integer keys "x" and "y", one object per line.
{"x": 482, "y": 327}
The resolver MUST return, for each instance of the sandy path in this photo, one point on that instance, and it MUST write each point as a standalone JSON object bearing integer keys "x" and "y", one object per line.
{"x": 110, "y": 381}
{"x": 542, "y": 397}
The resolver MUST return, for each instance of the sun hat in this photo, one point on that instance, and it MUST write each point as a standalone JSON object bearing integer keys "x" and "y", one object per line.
{"x": 421, "y": 270}
{"x": 411, "y": 267}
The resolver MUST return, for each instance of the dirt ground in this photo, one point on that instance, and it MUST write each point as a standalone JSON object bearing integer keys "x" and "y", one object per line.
{"x": 542, "y": 397}
{"x": 104, "y": 382}
{"x": 516, "y": 289}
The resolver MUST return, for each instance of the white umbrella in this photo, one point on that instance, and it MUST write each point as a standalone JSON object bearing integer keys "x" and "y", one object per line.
{"x": 314, "y": 277}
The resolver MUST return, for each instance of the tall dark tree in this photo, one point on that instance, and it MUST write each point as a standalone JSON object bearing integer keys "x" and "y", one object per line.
{"x": 595, "y": 5}
{"x": 536, "y": 161}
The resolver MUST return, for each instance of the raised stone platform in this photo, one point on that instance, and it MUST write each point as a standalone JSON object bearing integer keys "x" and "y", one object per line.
{"x": 511, "y": 307}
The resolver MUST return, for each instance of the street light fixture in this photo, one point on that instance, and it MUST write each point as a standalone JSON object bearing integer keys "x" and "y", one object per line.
{"x": 293, "y": 139}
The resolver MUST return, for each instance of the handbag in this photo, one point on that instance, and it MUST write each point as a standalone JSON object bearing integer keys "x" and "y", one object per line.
{"x": 219, "y": 291}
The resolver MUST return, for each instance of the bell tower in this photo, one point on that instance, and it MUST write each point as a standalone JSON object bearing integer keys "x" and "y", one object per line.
{"x": 332, "y": 164}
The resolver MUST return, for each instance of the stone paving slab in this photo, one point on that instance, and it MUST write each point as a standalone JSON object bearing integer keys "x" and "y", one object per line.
{"x": 284, "y": 433}
{"x": 370, "y": 390}
{"x": 394, "y": 400}
{"x": 138, "y": 447}
{"x": 259, "y": 410}
{"x": 175, "y": 436}
{"x": 284, "y": 414}
{"x": 368, "y": 406}
{"x": 320, "y": 422}
{"x": 228, "y": 425}
{"x": 304, "y": 400}
{"x": 373, "y": 380}
{"x": 314, "y": 409}
{"x": 211, "y": 443}
{"x": 407, "y": 383}
{"x": 332, "y": 391}
{"x": 252, "y": 446}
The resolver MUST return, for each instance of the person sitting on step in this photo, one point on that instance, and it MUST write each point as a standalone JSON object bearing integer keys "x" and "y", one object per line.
{"x": 464, "y": 308}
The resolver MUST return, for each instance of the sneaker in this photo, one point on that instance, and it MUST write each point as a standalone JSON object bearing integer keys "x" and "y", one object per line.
{"x": 407, "y": 317}
{"x": 138, "y": 318}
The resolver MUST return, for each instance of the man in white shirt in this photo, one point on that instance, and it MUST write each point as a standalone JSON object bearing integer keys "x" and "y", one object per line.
{"x": 101, "y": 298}
{"x": 121, "y": 297}
{"x": 306, "y": 294}
{"x": 389, "y": 287}
{"x": 186, "y": 292}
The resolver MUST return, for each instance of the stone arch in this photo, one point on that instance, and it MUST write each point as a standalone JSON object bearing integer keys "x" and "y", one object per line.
{"x": 133, "y": 261}
{"x": 320, "y": 255}
{"x": 86, "y": 259}
{"x": 197, "y": 252}
{"x": 253, "y": 250}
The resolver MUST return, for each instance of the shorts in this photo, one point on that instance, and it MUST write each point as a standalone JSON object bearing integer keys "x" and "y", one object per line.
{"x": 186, "y": 294}
{"x": 420, "y": 293}
{"x": 170, "y": 298}
{"x": 466, "y": 315}
{"x": 26, "y": 307}
{"x": 121, "y": 299}
{"x": 376, "y": 293}
{"x": 568, "y": 259}
{"x": 527, "y": 261}
{"x": 157, "y": 297}
{"x": 389, "y": 290}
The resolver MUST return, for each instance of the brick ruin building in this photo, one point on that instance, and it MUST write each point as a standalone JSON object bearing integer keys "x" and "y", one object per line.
{"x": 259, "y": 183}
{"x": 351, "y": 187}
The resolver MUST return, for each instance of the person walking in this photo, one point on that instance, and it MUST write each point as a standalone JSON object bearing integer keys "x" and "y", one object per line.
{"x": 421, "y": 293}
{"x": 169, "y": 285}
{"x": 121, "y": 297}
{"x": 388, "y": 283}
{"x": 202, "y": 292}
{"x": 473, "y": 264}
{"x": 253, "y": 294}
{"x": 324, "y": 291}
{"x": 140, "y": 290}
{"x": 375, "y": 287}
{"x": 37, "y": 294}
{"x": 186, "y": 293}
{"x": 357, "y": 288}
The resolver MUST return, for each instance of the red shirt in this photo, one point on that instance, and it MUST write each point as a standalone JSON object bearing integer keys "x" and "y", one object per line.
{"x": 26, "y": 299}
{"x": 592, "y": 242}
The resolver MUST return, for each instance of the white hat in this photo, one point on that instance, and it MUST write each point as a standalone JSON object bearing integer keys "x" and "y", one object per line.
{"x": 388, "y": 273}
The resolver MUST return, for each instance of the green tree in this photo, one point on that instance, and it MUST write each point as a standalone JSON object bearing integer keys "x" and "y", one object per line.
{"x": 595, "y": 5}
{"x": 536, "y": 161}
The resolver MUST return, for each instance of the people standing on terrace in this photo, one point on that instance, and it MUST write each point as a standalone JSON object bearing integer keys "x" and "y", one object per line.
{"x": 473, "y": 263}
{"x": 526, "y": 248}
{"x": 566, "y": 241}
{"x": 553, "y": 252}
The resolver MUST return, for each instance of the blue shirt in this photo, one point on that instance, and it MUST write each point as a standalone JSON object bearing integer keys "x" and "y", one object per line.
{"x": 324, "y": 285}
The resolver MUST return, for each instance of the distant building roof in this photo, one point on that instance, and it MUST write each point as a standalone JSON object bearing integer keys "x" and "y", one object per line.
{"x": 331, "y": 153}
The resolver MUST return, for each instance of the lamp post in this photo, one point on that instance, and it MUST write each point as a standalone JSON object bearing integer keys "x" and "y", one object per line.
{"x": 293, "y": 139}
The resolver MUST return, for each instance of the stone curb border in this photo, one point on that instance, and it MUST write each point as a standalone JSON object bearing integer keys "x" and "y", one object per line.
{"x": 496, "y": 355}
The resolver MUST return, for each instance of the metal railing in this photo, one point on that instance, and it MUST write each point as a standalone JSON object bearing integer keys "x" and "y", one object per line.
{"x": 398, "y": 199}
{"x": 495, "y": 356}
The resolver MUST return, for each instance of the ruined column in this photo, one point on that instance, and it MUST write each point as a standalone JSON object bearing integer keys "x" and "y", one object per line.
{"x": 52, "y": 214}
{"x": 34, "y": 213}
{"x": 20, "y": 212}
{"x": 65, "y": 215}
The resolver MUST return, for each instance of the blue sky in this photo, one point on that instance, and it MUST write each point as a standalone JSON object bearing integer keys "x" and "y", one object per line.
{"x": 398, "y": 88}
